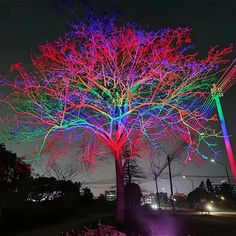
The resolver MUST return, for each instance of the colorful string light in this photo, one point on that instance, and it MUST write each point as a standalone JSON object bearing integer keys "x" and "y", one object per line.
{"x": 104, "y": 84}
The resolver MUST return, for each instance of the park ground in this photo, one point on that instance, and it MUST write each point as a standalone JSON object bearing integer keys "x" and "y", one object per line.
{"x": 184, "y": 223}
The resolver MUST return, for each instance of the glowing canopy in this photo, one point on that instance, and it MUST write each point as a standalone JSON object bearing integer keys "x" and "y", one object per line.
{"x": 115, "y": 85}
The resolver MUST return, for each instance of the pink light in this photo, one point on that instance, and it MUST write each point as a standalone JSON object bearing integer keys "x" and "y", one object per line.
{"x": 226, "y": 139}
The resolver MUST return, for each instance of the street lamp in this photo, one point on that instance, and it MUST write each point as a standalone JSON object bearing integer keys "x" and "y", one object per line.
{"x": 157, "y": 193}
{"x": 192, "y": 187}
{"x": 176, "y": 189}
{"x": 226, "y": 170}
{"x": 190, "y": 180}
{"x": 222, "y": 198}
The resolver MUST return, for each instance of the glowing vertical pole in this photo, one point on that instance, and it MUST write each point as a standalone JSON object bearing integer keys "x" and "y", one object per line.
{"x": 229, "y": 150}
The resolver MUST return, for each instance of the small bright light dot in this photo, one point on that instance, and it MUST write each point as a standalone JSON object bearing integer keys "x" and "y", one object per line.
{"x": 154, "y": 206}
{"x": 209, "y": 207}
{"x": 212, "y": 160}
{"x": 222, "y": 198}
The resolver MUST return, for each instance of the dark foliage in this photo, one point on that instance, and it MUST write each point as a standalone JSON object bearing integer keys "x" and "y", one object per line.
{"x": 14, "y": 181}
{"x": 13, "y": 171}
{"x": 27, "y": 202}
{"x": 197, "y": 194}
{"x": 133, "y": 196}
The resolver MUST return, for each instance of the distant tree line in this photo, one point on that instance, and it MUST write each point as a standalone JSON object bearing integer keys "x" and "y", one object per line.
{"x": 27, "y": 200}
{"x": 221, "y": 195}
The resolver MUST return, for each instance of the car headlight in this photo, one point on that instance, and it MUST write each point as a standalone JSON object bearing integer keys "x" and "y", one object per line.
{"x": 209, "y": 207}
{"x": 154, "y": 206}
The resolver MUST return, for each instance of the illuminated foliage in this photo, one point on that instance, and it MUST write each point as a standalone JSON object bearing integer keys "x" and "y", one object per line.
{"x": 115, "y": 85}
{"x": 118, "y": 83}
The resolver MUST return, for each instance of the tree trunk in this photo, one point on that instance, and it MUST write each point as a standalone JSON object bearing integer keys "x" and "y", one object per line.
{"x": 120, "y": 193}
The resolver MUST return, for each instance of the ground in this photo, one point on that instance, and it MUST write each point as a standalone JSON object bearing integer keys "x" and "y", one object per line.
{"x": 157, "y": 224}
{"x": 188, "y": 224}
{"x": 57, "y": 229}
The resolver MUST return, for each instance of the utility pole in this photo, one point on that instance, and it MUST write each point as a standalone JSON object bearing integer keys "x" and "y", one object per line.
{"x": 216, "y": 94}
{"x": 227, "y": 173}
{"x": 157, "y": 193}
{"x": 226, "y": 169}
{"x": 171, "y": 186}
{"x": 185, "y": 177}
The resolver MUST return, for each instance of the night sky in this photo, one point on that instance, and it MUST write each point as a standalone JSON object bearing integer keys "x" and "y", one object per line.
{"x": 25, "y": 24}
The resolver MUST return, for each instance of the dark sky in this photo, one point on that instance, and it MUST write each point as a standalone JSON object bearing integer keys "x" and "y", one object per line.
{"x": 25, "y": 24}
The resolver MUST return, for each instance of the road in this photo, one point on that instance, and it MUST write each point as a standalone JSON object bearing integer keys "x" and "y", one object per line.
{"x": 213, "y": 213}
{"x": 188, "y": 224}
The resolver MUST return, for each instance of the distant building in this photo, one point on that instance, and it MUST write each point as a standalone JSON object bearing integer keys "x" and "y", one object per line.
{"x": 180, "y": 195}
{"x": 151, "y": 198}
{"x": 218, "y": 187}
{"x": 179, "y": 199}
{"x": 148, "y": 199}
{"x": 163, "y": 198}
{"x": 110, "y": 195}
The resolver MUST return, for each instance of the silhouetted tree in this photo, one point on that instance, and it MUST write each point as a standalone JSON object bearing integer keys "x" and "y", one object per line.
{"x": 226, "y": 191}
{"x": 197, "y": 194}
{"x": 49, "y": 188}
{"x": 14, "y": 174}
{"x": 133, "y": 196}
{"x": 43, "y": 188}
{"x": 102, "y": 197}
{"x": 202, "y": 185}
{"x": 209, "y": 186}
{"x": 13, "y": 171}
{"x": 131, "y": 169}
{"x": 87, "y": 194}
{"x": 63, "y": 172}
{"x": 70, "y": 190}
{"x": 210, "y": 189}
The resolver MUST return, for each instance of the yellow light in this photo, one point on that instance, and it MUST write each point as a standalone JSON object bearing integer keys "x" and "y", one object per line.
{"x": 222, "y": 198}
{"x": 209, "y": 207}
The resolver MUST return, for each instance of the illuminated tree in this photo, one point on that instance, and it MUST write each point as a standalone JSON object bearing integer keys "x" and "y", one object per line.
{"x": 116, "y": 86}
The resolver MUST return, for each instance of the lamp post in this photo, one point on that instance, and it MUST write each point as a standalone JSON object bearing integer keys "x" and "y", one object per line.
{"x": 157, "y": 192}
{"x": 190, "y": 180}
{"x": 176, "y": 189}
{"x": 171, "y": 186}
{"x": 192, "y": 187}
{"x": 226, "y": 169}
